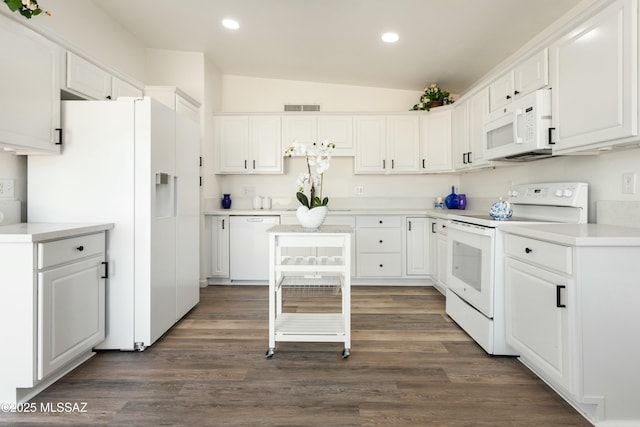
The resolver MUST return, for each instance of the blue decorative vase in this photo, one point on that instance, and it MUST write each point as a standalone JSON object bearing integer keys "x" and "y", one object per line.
{"x": 501, "y": 210}
{"x": 451, "y": 201}
{"x": 226, "y": 201}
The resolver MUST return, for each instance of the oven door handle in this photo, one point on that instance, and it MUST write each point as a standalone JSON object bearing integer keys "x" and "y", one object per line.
{"x": 470, "y": 228}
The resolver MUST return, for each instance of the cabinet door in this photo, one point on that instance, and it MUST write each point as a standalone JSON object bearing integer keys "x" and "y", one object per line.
{"x": 187, "y": 155}
{"x": 594, "y": 79}
{"x": 121, "y": 88}
{"x": 71, "y": 313}
{"x": 537, "y": 305}
{"x": 460, "y": 146}
{"x": 219, "y": 261}
{"x": 501, "y": 91}
{"x": 436, "y": 141}
{"x": 532, "y": 74}
{"x": 478, "y": 109}
{"x": 339, "y": 130}
{"x": 231, "y": 136}
{"x": 87, "y": 79}
{"x": 300, "y": 129}
{"x": 443, "y": 252}
{"x": 433, "y": 251}
{"x": 265, "y": 146}
{"x": 30, "y": 89}
{"x": 418, "y": 254}
{"x": 187, "y": 109}
{"x": 370, "y": 137}
{"x": 403, "y": 144}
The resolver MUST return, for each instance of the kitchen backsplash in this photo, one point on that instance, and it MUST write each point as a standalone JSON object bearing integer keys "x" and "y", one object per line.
{"x": 616, "y": 212}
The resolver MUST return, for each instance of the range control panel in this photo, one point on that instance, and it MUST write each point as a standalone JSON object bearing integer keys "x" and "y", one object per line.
{"x": 574, "y": 194}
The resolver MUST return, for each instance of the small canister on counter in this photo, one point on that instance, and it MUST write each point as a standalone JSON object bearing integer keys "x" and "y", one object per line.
{"x": 438, "y": 203}
{"x": 462, "y": 201}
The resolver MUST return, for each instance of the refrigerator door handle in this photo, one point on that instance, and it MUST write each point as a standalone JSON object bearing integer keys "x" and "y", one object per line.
{"x": 175, "y": 196}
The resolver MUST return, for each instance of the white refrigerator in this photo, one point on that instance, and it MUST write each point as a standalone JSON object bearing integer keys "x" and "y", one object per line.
{"x": 133, "y": 162}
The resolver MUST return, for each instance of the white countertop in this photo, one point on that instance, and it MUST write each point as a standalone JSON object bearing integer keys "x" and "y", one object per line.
{"x": 436, "y": 213}
{"x": 294, "y": 228}
{"x": 578, "y": 234}
{"x": 38, "y": 232}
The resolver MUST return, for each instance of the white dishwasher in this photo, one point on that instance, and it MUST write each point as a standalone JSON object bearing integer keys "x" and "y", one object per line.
{"x": 249, "y": 247}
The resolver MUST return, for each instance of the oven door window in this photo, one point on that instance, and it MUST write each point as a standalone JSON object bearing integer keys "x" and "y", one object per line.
{"x": 467, "y": 265}
{"x": 471, "y": 266}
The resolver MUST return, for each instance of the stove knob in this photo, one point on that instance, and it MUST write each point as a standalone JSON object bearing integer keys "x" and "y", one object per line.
{"x": 567, "y": 193}
{"x": 558, "y": 193}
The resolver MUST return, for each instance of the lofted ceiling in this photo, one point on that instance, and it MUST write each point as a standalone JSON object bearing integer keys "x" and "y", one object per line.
{"x": 451, "y": 42}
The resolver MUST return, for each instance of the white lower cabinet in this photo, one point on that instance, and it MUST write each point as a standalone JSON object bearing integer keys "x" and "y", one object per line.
{"x": 218, "y": 230}
{"x": 418, "y": 253}
{"x": 379, "y": 246}
{"x": 536, "y": 302}
{"x": 571, "y": 313}
{"x": 52, "y": 300}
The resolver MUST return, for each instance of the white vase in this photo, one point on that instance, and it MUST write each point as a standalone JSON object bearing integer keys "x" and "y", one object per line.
{"x": 311, "y": 219}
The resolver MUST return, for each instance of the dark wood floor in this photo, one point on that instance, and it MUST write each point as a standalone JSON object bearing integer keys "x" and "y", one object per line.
{"x": 410, "y": 366}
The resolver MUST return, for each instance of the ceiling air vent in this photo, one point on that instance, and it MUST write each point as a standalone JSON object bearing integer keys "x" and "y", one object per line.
{"x": 301, "y": 107}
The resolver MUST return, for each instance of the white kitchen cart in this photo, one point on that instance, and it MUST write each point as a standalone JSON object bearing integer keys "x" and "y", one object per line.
{"x": 309, "y": 275}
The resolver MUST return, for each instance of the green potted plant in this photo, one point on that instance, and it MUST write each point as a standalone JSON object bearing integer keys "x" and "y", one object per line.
{"x": 433, "y": 97}
{"x": 26, "y": 8}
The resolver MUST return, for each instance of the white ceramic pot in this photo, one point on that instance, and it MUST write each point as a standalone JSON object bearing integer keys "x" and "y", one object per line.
{"x": 311, "y": 219}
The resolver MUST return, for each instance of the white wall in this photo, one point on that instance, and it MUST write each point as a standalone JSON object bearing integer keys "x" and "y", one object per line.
{"x": 252, "y": 94}
{"x": 602, "y": 172}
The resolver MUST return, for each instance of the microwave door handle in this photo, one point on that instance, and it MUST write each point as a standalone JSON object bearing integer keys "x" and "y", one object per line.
{"x": 516, "y": 137}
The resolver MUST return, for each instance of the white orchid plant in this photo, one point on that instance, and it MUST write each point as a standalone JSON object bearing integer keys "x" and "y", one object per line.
{"x": 318, "y": 159}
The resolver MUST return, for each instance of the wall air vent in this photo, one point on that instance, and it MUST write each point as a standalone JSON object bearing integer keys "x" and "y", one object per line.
{"x": 301, "y": 107}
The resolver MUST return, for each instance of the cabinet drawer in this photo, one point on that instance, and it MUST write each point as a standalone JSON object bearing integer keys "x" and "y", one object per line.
{"x": 70, "y": 249}
{"x": 545, "y": 254}
{"x": 383, "y": 240}
{"x": 379, "y": 265}
{"x": 379, "y": 221}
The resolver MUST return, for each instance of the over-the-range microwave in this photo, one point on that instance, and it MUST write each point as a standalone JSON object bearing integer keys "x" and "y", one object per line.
{"x": 520, "y": 131}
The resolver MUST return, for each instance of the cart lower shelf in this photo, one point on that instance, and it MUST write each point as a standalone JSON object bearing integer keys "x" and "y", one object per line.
{"x": 310, "y": 327}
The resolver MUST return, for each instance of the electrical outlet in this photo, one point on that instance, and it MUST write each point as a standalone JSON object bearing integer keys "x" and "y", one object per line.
{"x": 6, "y": 188}
{"x": 358, "y": 190}
{"x": 249, "y": 191}
{"x": 629, "y": 183}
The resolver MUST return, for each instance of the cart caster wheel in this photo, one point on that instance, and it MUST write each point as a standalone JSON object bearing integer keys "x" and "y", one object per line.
{"x": 269, "y": 353}
{"x": 346, "y": 353}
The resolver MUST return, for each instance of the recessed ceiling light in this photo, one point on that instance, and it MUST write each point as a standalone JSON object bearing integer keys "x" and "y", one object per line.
{"x": 390, "y": 37}
{"x": 230, "y": 24}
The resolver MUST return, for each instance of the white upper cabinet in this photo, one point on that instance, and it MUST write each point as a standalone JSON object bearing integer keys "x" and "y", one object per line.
{"x": 435, "y": 137}
{"x": 468, "y": 131}
{"x": 309, "y": 129}
{"x": 29, "y": 90}
{"x": 121, "y": 88}
{"x": 90, "y": 81}
{"x": 526, "y": 77}
{"x": 403, "y": 144}
{"x": 594, "y": 77}
{"x": 387, "y": 144}
{"x": 87, "y": 79}
{"x": 175, "y": 99}
{"x": 371, "y": 149}
{"x": 248, "y": 144}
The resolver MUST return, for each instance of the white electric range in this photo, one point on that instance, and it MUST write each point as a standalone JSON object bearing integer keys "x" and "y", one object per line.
{"x": 475, "y": 258}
